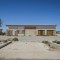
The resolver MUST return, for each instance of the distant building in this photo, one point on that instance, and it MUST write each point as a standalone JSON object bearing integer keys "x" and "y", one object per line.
{"x": 58, "y": 32}
{"x": 31, "y": 30}
{"x": 0, "y": 31}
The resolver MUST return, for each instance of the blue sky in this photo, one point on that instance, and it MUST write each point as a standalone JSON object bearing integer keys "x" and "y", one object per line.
{"x": 30, "y": 12}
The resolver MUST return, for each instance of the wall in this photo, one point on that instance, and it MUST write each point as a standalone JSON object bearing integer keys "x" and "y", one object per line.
{"x": 33, "y": 32}
{"x": 30, "y": 32}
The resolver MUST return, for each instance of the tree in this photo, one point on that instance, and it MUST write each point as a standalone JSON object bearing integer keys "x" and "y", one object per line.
{"x": 0, "y": 22}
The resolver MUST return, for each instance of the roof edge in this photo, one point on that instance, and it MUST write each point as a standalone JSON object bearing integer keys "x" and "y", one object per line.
{"x": 29, "y": 25}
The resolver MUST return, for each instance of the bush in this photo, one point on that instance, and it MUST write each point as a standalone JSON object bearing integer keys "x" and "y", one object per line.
{"x": 15, "y": 39}
{"x": 46, "y": 42}
{"x": 58, "y": 42}
{"x": 53, "y": 47}
{"x": 0, "y": 40}
{"x": 55, "y": 41}
{"x": 5, "y": 41}
{"x": 1, "y": 33}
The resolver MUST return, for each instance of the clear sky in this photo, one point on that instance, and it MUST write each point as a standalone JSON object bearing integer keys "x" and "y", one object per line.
{"x": 30, "y": 12}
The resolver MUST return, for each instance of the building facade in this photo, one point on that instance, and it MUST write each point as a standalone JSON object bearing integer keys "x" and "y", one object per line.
{"x": 31, "y": 30}
{"x": 0, "y": 31}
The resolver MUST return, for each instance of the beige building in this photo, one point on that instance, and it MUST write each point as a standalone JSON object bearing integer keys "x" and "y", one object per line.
{"x": 31, "y": 30}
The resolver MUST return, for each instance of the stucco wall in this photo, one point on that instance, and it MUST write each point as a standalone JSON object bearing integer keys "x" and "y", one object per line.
{"x": 30, "y": 32}
{"x": 33, "y": 32}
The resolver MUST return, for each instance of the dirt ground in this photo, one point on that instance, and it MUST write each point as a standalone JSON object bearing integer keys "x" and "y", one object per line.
{"x": 28, "y": 50}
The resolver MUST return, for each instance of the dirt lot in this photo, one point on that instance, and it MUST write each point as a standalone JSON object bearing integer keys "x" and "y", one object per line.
{"x": 28, "y": 50}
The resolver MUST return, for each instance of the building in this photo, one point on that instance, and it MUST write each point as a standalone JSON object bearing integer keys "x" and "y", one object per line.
{"x": 31, "y": 30}
{"x": 0, "y": 31}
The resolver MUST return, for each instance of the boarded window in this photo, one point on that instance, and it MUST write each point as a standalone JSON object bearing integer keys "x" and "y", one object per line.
{"x": 41, "y": 32}
{"x": 50, "y": 32}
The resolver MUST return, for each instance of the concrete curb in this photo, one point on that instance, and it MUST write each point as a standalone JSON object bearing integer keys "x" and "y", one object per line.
{"x": 5, "y": 44}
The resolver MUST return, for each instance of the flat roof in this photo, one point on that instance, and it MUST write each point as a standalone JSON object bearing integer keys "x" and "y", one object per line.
{"x": 28, "y": 25}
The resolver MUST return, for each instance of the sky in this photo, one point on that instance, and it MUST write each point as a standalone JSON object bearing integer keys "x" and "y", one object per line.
{"x": 30, "y": 12}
